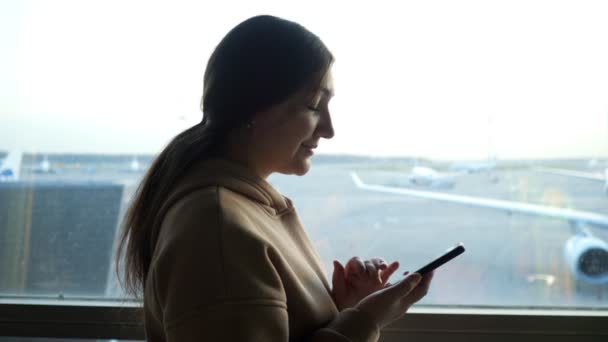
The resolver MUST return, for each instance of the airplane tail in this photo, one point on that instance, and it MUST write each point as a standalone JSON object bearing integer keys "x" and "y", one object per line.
{"x": 11, "y": 166}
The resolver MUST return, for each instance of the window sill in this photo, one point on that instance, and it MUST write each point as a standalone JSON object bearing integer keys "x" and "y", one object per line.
{"x": 120, "y": 320}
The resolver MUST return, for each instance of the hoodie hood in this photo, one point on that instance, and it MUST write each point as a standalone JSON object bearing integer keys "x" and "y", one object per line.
{"x": 234, "y": 177}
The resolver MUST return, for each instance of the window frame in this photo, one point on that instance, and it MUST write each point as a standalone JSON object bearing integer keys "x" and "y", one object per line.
{"x": 85, "y": 319}
{"x": 121, "y": 321}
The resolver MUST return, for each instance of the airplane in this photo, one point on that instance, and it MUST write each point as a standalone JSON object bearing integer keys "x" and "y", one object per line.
{"x": 44, "y": 166}
{"x": 586, "y": 255}
{"x": 594, "y": 176}
{"x": 11, "y": 167}
{"x": 426, "y": 176}
{"x": 474, "y": 166}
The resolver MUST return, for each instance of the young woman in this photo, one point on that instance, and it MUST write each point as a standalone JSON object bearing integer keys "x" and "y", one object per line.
{"x": 218, "y": 253}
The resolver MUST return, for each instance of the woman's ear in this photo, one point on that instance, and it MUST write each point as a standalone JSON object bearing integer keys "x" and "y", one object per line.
{"x": 263, "y": 118}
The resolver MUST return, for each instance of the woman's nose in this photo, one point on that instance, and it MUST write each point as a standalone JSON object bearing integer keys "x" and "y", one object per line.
{"x": 326, "y": 128}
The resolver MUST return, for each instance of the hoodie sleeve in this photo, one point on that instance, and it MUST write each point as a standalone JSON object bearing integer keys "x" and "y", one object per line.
{"x": 211, "y": 289}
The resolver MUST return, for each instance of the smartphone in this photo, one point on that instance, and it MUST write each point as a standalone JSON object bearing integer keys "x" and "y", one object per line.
{"x": 449, "y": 255}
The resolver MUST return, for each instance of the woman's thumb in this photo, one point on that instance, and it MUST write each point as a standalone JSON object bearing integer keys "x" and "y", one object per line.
{"x": 406, "y": 285}
{"x": 338, "y": 281}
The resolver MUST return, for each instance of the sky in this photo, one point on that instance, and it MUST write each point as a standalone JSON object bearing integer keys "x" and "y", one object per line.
{"x": 435, "y": 79}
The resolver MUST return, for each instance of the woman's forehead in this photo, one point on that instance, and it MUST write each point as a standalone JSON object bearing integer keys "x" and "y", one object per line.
{"x": 315, "y": 92}
{"x": 327, "y": 84}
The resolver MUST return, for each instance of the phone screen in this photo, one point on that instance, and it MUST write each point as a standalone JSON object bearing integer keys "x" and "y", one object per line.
{"x": 449, "y": 255}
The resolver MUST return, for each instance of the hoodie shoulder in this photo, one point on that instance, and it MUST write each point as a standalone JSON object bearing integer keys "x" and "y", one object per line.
{"x": 211, "y": 208}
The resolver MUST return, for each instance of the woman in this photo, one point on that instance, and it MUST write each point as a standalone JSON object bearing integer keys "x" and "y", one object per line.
{"x": 219, "y": 254}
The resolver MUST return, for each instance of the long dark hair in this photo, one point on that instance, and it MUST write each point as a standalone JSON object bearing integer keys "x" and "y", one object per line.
{"x": 259, "y": 63}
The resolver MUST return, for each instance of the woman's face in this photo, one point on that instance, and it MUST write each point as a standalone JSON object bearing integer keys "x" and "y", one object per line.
{"x": 286, "y": 135}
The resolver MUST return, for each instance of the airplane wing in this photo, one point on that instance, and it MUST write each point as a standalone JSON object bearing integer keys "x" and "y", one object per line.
{"x": 571, "y": 215}
{"x": 572, "y": 173}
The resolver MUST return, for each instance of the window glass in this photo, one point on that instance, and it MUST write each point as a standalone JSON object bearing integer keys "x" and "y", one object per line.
{"x": 478, "y": 122}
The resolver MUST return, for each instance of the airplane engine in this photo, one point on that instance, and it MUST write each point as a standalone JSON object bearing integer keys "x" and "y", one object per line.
{"x": 606, "y": 181}
{"x": 587, "y": 258}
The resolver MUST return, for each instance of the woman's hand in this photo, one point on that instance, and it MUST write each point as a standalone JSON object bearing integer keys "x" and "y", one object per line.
{"x": 358, "y": 279}
{"x": 392, "y": 302}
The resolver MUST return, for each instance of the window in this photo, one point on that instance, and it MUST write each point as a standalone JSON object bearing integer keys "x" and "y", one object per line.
{"x": 456, "y": 121}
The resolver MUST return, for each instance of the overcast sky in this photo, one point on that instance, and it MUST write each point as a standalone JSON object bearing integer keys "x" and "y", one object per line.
{"x": 439, "y": 79}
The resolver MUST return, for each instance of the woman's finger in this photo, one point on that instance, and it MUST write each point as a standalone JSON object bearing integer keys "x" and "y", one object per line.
{"x": 354, "y": 267}
{"x": 403, "y": 288}
{"x": 388, "y": 272}
{"x": 379, "y": 263}
{"x": 371, "y": 270}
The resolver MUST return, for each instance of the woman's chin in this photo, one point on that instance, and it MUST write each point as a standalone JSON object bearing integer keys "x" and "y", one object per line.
{"x": 298, "y": 166}
{"x": 301, "y": 166}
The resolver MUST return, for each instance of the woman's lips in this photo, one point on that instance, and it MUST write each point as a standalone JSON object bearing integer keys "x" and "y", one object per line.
{"x": 309, "y": 149}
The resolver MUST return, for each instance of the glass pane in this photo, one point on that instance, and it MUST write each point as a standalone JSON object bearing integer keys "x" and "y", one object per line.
{"x": 477, "y": 122}
{"x": 59, "y": 221}
{"x": 512, "y": 259}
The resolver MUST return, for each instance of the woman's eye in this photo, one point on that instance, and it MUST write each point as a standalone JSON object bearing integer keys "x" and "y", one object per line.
{"x": 313, "y": 108}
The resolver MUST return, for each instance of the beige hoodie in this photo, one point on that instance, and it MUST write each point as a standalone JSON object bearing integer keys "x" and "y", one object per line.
{"x": 233, "y": 263}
